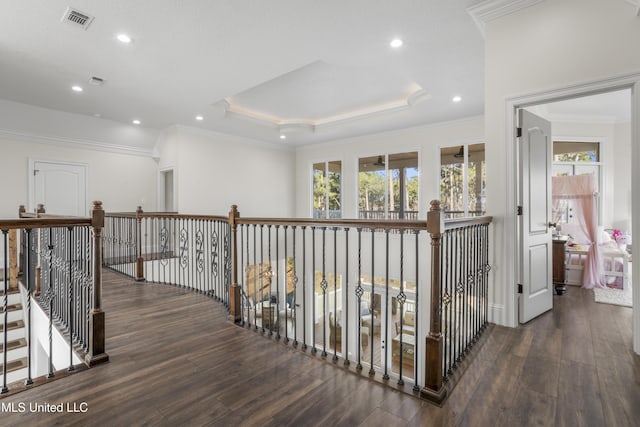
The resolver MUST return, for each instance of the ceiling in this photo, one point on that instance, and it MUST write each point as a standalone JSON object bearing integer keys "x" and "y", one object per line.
{"x": 311, "y": 71}
{"x": 305, "y": 70}
{"x": 609, "y": 107}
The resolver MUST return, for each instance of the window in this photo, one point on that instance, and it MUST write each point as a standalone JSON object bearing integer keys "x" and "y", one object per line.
{"x": 327, "y": 177}
{"x": 463, "y": 172}
{"x": 388, "y": 186}
{"x": 576, "y": 158}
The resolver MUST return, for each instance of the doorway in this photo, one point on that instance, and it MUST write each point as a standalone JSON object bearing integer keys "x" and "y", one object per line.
{"x": 629, "y": 83}
{"x": 166, "y": 190}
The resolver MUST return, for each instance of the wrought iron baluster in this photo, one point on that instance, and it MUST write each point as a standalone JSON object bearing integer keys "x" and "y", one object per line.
{"x": 261, "y": 275}
{"x": 29, "y": 279}
{"x": 295, "y": 291}
{"x": 345, "y": 337}
{"x": 269, "y": 276}
{"x": 416, "y": 323}
{"x": 304, "y": 288}
{"x": 50, "y": 295}
{"x": 277, "y": 310}
{"x": 5, "y": 307}
{"x": 402, "y": 298}
{"x": 335, "y": 294}
{"x": 385, "y": 375}
{"x": 359, "y": 291}
{"x": 286, "y": 291}
{"x": 255, "y": 279}
{"x": 71, "y": 329}
{"x": 313, "y": 287}
{"x": 323, "y": 285}
{"x": 372, "y": 299}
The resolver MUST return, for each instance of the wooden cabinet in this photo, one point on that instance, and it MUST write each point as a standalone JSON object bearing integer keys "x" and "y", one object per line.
{"x": 558, "y": 264}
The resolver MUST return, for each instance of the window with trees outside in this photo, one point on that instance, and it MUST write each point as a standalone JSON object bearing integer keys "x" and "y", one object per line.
{"x": 463, "y": 174}
{"x": 388, "y": 186}
{"x": 327, "y": 177}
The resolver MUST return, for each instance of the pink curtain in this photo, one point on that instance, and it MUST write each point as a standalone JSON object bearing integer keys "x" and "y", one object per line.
{"x": 581, "y": 190}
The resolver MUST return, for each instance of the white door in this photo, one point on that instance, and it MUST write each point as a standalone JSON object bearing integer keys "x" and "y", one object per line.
{"x": 535, "y": 157}
{"x": 60, "y": 187}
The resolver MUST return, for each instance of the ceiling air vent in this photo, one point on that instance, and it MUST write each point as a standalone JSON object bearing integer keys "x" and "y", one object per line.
{"x": 76, "y": 18}
{"x": 96, "y": 81}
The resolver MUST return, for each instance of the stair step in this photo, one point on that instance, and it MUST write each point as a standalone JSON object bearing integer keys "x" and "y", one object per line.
{"x": 11, "y": 291}
{"x": 11, "y": 307}
{"x": 17, "y": 324}
{"x": 11, "y": 345}
{"x": 15, "y": 365}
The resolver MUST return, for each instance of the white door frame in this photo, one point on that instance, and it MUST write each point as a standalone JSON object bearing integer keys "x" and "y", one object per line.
{"x": 161, "y": 199}
{"x": 31, "y": 180}
{"x": 510, "y": 242}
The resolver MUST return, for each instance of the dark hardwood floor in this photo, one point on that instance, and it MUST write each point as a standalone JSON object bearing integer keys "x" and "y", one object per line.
{"x": 175, "y": 360}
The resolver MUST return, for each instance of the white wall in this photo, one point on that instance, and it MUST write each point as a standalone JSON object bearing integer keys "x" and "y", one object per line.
{"x": 214, "y": 171}
{"x": 551, "y": 45}
{"x": 122, "y": 178}
{"x": 425, "y": 139}
{"x": 621, "y": 176}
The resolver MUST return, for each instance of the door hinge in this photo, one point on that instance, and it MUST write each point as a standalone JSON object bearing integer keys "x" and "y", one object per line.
{"x": 519, "y": 288}
{"x": 35, "y": 172}
{"x": 519, "y": 210}
{"x": 518, "y": 132}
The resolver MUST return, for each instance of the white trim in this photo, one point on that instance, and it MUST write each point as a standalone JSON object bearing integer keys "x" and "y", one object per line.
{"x": 628, "y": 81}
{"x": 635, "y": 202}
{"x": 496, "y": 313}
{"x": 76, "y": 143}
{"x": 312, "y": 125}
{"x": 489, "y": 10}
{"x": 161, "y": 190}
{"x": 392, "y": 133}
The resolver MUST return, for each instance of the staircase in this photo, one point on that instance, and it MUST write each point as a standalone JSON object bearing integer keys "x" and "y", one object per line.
{"x": 16, "y": 341}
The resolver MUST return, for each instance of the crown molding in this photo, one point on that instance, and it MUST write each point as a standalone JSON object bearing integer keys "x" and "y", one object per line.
{"x": 635, "y": 3}
{"x": 488, "y": 10}
{"x": 76, "y": 143}
{"x": 401, "y": 132}
{"x": 313, "y": 125}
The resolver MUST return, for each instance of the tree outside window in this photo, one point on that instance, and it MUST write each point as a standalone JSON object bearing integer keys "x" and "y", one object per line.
{"x": 327, "y": 183}
{"x": 388, "y": 186}
{"x": 463, "y": 180}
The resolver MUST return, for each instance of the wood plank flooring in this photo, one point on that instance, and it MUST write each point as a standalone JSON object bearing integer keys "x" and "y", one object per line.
{"x": 175, "y": 360}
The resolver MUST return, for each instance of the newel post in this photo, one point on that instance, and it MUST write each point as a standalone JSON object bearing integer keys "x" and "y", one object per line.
{"x": 235, "y": 310}
{"x": 96, "y": 353}
{"x": 139, "y": 260}
{"x": 434, "y": 389}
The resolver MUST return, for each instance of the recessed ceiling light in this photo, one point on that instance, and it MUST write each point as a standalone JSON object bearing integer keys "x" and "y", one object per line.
{"x": 456, "y": 98}
{"x": 136, "y": 122}
{"x": 199, "y": 118}
{"x": 77, "y": 88}
{"x": 283, "y": 136}
{"x": 124, "y": 38}
{"x": 396, "y": 43}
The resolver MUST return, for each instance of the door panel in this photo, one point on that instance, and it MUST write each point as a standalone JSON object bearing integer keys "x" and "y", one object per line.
{"x": 535, "y": 155}
{"x": 61, "y": 187}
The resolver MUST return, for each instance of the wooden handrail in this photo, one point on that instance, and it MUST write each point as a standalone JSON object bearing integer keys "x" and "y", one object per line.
{"x": 451, "y": 224}
{"x": 10, "y": 224}
{"x": 351, "y": 223}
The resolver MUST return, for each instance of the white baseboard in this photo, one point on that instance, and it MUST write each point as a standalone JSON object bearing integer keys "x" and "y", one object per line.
{"x": 497, "y": 314}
